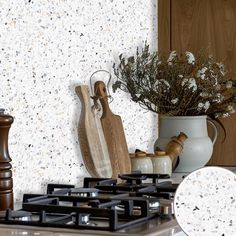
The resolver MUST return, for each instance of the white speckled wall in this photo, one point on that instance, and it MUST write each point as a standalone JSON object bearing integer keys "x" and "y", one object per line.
{"x": 47, "y": 47}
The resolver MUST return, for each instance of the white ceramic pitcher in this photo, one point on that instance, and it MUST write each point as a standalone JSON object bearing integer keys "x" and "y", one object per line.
{"x": 198, "y": 147}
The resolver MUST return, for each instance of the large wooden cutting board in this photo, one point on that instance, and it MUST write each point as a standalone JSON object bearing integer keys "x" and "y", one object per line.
{"x": 91, "y": 138}
{"x": 114, "y": 134}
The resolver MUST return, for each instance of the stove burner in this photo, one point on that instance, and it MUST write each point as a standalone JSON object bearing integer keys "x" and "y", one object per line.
{"x": 16, "y": 215}
{"x": 84, "y": 192}
{"x": 84, "y": 218}
{"x": 101, "y": 204}
{"x": 90, "y": 182}
{"x": 138, "y": 177}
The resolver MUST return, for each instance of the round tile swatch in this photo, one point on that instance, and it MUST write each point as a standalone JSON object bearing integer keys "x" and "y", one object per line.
{"x": 205, "y": 202}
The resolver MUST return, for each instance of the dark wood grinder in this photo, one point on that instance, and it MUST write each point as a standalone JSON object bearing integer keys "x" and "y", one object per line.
{"x": 6, "y": 182}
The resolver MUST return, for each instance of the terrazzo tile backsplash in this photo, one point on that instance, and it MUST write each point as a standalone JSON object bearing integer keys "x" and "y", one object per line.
{"x": 47, "y": 48}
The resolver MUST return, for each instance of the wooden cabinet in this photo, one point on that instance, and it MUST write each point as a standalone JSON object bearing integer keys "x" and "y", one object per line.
{"x": 209, "y": 25}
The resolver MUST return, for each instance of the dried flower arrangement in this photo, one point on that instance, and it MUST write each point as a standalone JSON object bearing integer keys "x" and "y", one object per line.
{"x": 177, "y": 85}
{"x": 182, "y": 85}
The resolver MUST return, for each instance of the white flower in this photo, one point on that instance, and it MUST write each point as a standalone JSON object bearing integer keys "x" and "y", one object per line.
{"x": 201, "y": 73}
{"x": 206, "y": 105}
{"x": 174, "y": 101}
{"x": 218, "y": 87}
{"x": 192, "y": 81}
{"x": 156, "y": 83}
{"x": 221, "y": 67}
{"x": 180, "y": 76}
{"x": 230, "y": 109}
{"x": 226, "y": 114}
{"x": 204, "y": 94}
{"x": 172, "y": 55}
{"x": 190, "y": 58}
{"x": 229, "y": 84}
{"x": 184, "y": 81}
{"x": 192, "y": 84}
{"x": 219, "y": 98}
{"x": 200, "y": 106}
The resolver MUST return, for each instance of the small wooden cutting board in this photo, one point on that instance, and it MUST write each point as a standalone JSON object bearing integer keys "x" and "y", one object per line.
{"x": 114, "y": 134}
{"x": 92, "y": 141}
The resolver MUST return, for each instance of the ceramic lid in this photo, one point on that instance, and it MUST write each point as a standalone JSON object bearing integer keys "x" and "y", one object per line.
{"x": 140, "y": 154}
{"x": 160, "y": 154}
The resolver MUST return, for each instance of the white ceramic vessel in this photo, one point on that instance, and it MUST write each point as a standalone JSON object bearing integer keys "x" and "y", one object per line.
{"x": 142, "y": 163}
{"x": 162, "y": 163}
{"x": 198, "y": 147}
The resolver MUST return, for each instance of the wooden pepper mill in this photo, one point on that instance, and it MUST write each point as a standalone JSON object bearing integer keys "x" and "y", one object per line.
{"x": 174, "y": 148}
{"x": 6, "y": 182}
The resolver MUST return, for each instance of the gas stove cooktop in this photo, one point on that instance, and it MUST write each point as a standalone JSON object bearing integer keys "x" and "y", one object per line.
{"x": 101, "y": 204}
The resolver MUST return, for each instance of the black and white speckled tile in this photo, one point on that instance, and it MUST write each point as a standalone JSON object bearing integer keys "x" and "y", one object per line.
{"x": 46, "y": 49}
{"x": 205, "y": 202}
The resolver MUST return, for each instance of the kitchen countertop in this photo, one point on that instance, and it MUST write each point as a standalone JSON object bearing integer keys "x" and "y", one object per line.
{"x": 177, "y": 177}
{"x": 153, "y": 228}
{"x": 169, "y": 228}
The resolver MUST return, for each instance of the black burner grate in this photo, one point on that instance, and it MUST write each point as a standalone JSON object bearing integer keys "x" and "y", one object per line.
{"x": 101, "y": 204}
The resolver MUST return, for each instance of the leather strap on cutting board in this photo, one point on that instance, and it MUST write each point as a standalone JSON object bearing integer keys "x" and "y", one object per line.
{"x": 114, "y": 134}
{"x": 91, "y": 138}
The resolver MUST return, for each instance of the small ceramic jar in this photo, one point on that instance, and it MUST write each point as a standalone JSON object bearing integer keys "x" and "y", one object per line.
{"x": 140, "y": 161}
{"x": 161, "y": 163}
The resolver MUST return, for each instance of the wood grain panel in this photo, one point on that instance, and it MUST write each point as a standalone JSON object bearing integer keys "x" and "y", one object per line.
{"x": 164, "y": 36}
{"x": 208, "y": 25}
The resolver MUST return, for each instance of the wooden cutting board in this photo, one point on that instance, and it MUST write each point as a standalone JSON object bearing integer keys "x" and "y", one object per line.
{"x": 91, "y": 138}
{"x": 114, "y": 134}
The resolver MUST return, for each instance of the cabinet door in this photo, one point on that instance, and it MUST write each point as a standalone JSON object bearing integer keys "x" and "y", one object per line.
{"x": 209, "y": 25}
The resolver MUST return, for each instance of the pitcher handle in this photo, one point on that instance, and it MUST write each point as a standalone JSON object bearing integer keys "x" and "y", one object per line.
{"x": 215, "y": 130}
